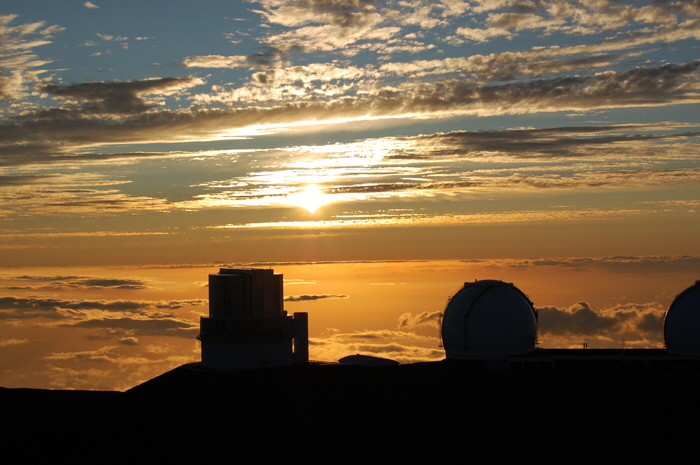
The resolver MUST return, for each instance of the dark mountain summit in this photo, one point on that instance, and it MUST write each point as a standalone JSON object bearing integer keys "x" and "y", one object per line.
{"x": 334, "y": 412}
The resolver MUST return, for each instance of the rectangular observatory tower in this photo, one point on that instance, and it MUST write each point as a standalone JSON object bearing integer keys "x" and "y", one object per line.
{"x": 247, "y": 326}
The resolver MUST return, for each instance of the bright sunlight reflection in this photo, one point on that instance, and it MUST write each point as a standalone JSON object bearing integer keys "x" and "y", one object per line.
{"x": 311, "y": 198}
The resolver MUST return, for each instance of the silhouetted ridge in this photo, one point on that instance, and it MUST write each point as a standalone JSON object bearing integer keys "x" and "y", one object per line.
{"x": 424, "y": 410}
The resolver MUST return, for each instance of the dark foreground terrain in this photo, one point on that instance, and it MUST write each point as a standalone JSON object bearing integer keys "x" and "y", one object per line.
{"x": 425, "y": 412}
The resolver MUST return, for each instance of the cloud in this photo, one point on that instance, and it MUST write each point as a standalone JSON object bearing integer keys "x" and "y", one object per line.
{"x": 216, "y": 61}
{"x": 578, "y": 319}
{"x": 13, "y": 342}
{"x": 91, "y": 5}
{"x": 329, "y": 38}
{"x": 409, "y": 320}
{"x": 275, "y": 264}
{"x": 20, "y": 67}
{"x": 402, "y": 346}
{"x": 70, "y": 193}
{"x": 82, "y": 234}
{"x": 25, "y": 180}
{"x": 46, "y": 153}
{"x": 313, "y": 297}
{"x": 481, "y": 35}
{"x": 110, "y": 38}
{"x": 79, "y": 201}
{"x": 422, "y": 15}
{"x": 508, "y": 24}
{"x": 463, "y": 184}
{"x": 292, "y": 282}
{"x": 142, "y": 327}
{"x": 85, "y": 282}
{"x": 270, "y": 55}
{"x": 512, "y": 65}
{"x": 635, "y": 325}
{"x": 507, "y": 19}
{"x": 97, "y": 283}
{"x": 423, "y": 219}
{"x": 662, "y": 85}
{"x": 101, "y": 355}
{"x": 343, "y": 13}
{"x": 106, "y": 368}
{"x": 546, "y": 143}
{"x": 29, "y": 307}
{"x": 120, "y": 319}
{"x": 137, "y": 318}
{"x": 617, "y": 143}
{"x": 653, "y": 264}
{"x": 325, "y": 25}
{"x": 76, "y": 122}
{"x": 89, "y": 116}
{"x": 119, "y": 97}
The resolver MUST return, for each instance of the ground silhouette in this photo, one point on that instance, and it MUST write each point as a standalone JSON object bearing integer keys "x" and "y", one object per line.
{"x": 432, "y": 411}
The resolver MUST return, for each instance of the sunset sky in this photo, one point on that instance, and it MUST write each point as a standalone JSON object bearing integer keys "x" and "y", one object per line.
{"x": 378, "y": 153}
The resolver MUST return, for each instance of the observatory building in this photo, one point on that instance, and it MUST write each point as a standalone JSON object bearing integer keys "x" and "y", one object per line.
{"x": 247, "y": 326}
{"x": 682, "y": 323}
{"x": 488, "y": 319}
{"x": 494, "y": 325}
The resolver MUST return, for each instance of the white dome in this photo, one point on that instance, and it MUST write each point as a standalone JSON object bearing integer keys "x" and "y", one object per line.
{"x": 682, "y": 323}
{"x": 487, "y": 319}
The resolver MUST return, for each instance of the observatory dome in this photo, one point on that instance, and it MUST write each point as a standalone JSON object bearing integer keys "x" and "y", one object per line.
{"x": 488, "y": 319}
{"x": 682, "y": 322}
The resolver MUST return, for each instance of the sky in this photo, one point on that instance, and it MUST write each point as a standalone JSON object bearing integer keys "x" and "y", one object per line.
{"x": 550, "y": 143}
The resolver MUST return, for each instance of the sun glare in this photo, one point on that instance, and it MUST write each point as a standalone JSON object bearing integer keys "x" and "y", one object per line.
{"x": 310, "y": 198}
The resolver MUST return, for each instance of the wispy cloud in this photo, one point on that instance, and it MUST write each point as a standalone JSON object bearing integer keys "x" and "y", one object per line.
{"x": 313, "y": 297}
{"x": 651, "y": 264}
{"x": 402, "y": 346}
{"x": 12, "y": 342}
{"x": 99, "y": 367}
{"x": 215, "y": 61}
{"x": 351, "y": 14}
{"x": 139, "y": 119}
{"x": 20, "y": 66}
{"x": 109, "y": 38}
{"x": 417, "y": 219}
{"x": 142, "y": 327}
{"x": 82, "y": 282}
{"x": 450, "y": 164}
{"x": 53, "y": 305}
{"x": 409, "y": 320}
{"x": 137, "y": 318}
{"x": 510, "y": 19}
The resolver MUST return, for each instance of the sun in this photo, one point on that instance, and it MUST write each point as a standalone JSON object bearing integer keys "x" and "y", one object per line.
{"x": 310, "y": 198}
